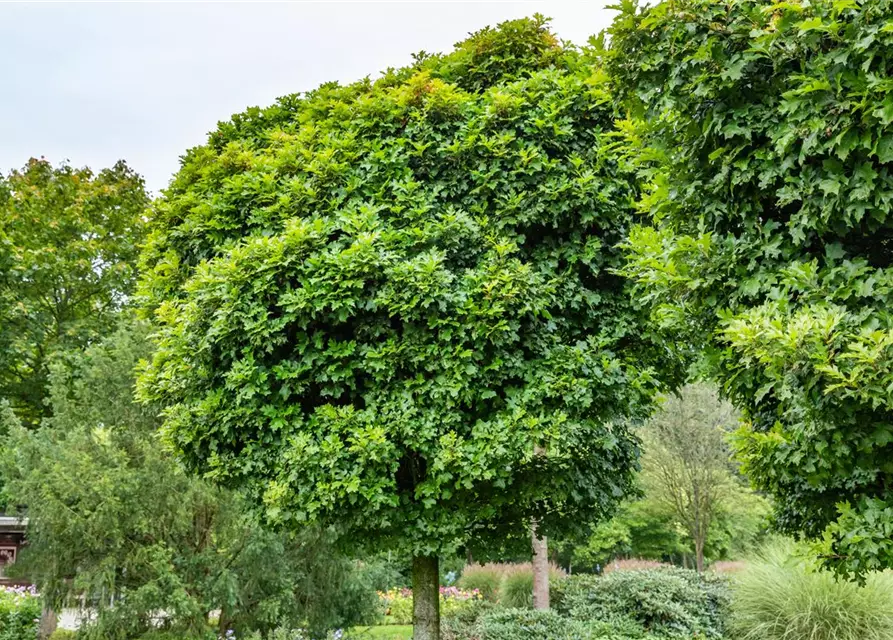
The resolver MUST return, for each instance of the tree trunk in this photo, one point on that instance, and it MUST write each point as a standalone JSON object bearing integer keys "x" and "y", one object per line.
{"x": 540, "y": 569}
{"x": 425, "y": 598}
{"x": 48, "y": 622}
{"x": 699, "y": 554}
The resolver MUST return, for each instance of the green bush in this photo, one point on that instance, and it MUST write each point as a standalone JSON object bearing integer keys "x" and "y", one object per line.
{"x": 63, "y": 634}
{"x": 528, "y": 624}
{"x": 461, "y": 624}
{"x": 780, "y": 596}
{"x": 19, "y": 614}
{"x": 667, "y": 602}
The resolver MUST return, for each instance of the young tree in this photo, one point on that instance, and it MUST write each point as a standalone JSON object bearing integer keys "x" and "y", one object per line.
{"x": 390, "y": 307}
{"x": 115, "y": 521}
{"x": 768, "y": 131}
{"x": 686, "y": 465}
{"x": 68, "y": 246}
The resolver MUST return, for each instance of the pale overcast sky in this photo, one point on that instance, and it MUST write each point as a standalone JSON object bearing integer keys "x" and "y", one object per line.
{"x": 92, "y": 83}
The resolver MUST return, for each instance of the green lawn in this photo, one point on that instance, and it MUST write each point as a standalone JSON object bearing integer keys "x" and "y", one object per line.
{"x": 383, "y": 632}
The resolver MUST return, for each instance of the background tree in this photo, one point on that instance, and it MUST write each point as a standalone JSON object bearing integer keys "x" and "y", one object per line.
{"x": 68, "y": 245}
{"x": 114, "y": 521}
{"x": 768, "y": 134}
{"x": 686, "y": 468}
{"x": 693, "y": 502}
{"x": 375, "y": 302}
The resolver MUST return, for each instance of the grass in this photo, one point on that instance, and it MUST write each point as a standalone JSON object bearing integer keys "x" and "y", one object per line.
{"x": 784, "y": 597}
{"x": 382, "y": 632}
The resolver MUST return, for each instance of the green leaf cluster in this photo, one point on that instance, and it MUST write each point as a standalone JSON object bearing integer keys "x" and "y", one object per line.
{"x": 391, "y": 307}
{"x": 764, "y": 135}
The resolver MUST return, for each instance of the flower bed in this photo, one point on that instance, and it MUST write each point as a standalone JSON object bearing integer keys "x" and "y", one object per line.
{"x": 398, "y": 603}
{"x": 19, "y": 613}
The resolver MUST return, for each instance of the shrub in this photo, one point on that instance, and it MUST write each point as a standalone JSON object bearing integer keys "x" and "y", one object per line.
{"x": 527, "y": 624}
{"x": 462, "y": 623}
{"x": 781, "y": 596}
{"x": 19, "y": 613}
{"x": 516, "y": 590}
{"x": 63, "y": 634}
{"x": 667, "y": 602}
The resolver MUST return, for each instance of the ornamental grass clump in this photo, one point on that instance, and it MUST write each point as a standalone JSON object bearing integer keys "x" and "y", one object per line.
{"x": 516, "y": 589}
{"x": 782, "y": 596}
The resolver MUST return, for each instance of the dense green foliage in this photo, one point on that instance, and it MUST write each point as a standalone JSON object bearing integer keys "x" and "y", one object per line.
{"x": 19, "y": 613}
{"x": 765, "y": 137}
{"x": 68, "y": 246}
{"x": 526, "y": 624}
{"x": 377, "y": 301}
{"x": 667, "y": 602}
{"x": 784, "y": 597}
{"x": 115, "y": 521}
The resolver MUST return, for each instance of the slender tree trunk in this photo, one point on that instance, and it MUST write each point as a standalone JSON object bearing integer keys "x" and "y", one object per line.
{"x": 540, "y": 569}
{"x": 425, "y": 598}
{"x": 48, "y": 622}
{"x": 699, "y": 554}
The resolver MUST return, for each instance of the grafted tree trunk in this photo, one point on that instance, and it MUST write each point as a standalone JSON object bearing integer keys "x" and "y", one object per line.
{"x": 540, "y": 569}
{"x": 425, "y": 598}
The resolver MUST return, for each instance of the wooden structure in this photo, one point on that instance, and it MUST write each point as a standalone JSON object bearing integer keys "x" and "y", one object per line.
{"x": 12, "y": 538}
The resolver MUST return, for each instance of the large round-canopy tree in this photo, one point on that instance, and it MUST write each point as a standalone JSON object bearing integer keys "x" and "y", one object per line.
{"x": 768, "y": 134}
{"x": 390, "y": 307}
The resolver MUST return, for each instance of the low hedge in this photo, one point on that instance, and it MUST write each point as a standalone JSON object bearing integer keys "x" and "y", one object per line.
{"x": 666, "y": 602}
{"x": 527, "y": 624}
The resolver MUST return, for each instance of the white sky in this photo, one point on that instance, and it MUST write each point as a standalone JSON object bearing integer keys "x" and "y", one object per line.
{"x": 92, "y": 83}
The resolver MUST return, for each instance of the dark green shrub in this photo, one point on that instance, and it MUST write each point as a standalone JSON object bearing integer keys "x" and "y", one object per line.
{"x": 462, "y": 623}
{"x": 669, "y": 603}
{"x": 528, "y": 624}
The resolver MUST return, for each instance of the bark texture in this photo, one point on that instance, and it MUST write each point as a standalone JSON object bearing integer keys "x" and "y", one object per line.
{"x": 540, "y": 569}
{"x": 425, "y": 598}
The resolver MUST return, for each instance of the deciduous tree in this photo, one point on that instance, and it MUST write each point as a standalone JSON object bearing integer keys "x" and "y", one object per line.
{"x": 69, "y": 241}
{"x": 766, "y": 135}
{"x": 686, "y": 466}
{"x": 376, "y": 301}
